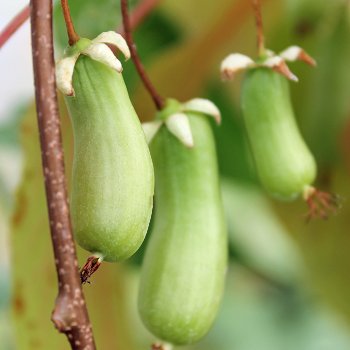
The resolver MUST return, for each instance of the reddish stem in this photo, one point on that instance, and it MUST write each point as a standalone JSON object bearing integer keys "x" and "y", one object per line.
{"x": 73, "y": 37}
{"x": 157, "y": 99}
{"x": 14, "y": 25}
{"x": 259, "y": 26}
{"x": 70, "y": 314}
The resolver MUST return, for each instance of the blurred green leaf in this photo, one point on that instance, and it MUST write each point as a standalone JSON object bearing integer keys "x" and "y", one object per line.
{"x": 255, "y": 316}
{"x": 258, "y": 235}
{"x": 233, "y": 151}
{"x": 324, "y": 246}
{"x": 328, "y": 105}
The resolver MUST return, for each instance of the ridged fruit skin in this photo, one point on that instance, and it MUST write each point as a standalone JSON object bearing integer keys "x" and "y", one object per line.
{"x": 283, "y": 161}
{"x": 113, "y": 178}
{"x": 183, "y": 271}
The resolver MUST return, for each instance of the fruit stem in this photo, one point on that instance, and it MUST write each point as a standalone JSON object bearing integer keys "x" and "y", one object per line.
{"x": 157, "y": 99}
{"x": 73, "y": 37}
{"x": 259, "y": 27}
{"x": 14, "y": 24}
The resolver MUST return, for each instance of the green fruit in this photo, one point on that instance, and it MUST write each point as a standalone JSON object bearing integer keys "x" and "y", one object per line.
{"x": 113, "y": 180}
{"x": 284, "y": 163}
{"x": 184, "y": 268}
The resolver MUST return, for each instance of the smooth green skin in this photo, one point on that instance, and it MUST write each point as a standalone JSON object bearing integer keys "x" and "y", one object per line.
{"x": 113, "y": 179}
{"x": 183, "y": 271}
{"x": 283, "y": 161}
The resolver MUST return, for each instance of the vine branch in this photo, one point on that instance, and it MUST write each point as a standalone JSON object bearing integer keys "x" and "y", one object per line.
{"x": 70, "y": 314}
{"x": 259, "y": 26}
{"x": 73, "y": 37}
{"x": 14, "y": 25}
{"x": 157, "y": 99}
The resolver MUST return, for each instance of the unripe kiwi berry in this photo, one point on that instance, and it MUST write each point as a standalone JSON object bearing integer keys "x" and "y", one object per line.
{"x": 183, "y": 271}
{"x": 113, "y": 180}
{"x": 283, "y": 161}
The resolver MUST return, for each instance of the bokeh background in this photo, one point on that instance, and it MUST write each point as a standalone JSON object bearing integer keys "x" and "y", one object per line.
{"x": 288, "y": 283}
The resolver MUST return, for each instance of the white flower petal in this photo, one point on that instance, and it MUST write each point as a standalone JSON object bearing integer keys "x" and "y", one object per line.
{"x": 234, "y": 63}
{"x": 205, "y": 106}
{"x": 179, "y": 125}
{"x": 278, "y": 64}
{"x": 150, "y": 129}
{"x": 64, "y": 74}
{"x": 102, "y": 53}
{"x": 115, "y": 39}
{"x": 296, "y": 53}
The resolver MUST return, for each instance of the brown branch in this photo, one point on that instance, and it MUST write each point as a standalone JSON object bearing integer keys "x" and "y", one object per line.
{"x": 157, "y": 99}
{"x": 14, "y": 25}
{"x": 73, "y": 37}
{"x": 259, "y": 26}
{"x": 70, "y": 314}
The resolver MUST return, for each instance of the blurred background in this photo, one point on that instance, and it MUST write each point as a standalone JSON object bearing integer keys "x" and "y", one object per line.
{"x": 288, "y": 283}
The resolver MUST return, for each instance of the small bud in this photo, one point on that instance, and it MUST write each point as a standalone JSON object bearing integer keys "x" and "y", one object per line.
{"x": 114, "y": 39}
{"x": 278, "y": 64}
{"x": 234, "y": 63}
{"x": 102, "y": 53}
{"x": 150, "y": 129}
{"x": 179, "y": 125}
{"x": 296, "y": 53}
{"x": 205, "y": 106}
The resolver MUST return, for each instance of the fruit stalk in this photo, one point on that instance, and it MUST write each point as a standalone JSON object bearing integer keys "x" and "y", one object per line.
{"x": 259, "y": 26}
{"x": 72, "y": 34}
{"x": 157, "y": 99}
